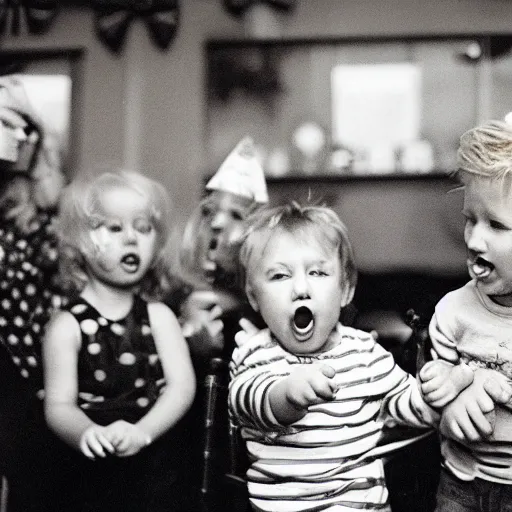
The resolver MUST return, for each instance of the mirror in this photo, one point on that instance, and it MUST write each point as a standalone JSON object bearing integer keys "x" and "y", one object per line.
{"x": 354, "y": 107}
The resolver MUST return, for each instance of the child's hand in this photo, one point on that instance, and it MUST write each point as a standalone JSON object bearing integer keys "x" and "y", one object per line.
{"x": 126, "y": 438}
{"x": 94, "y": 442}
{"x": 442, "y": 381}
{"x": 309, "y": 385}
{"x": 248, "y": 330}
{"x": 470, "y": 417}
{"x": 202, "y": 325}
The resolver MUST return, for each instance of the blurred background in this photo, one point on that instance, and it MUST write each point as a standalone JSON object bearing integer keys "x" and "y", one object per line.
{"x": 355, "y": 103}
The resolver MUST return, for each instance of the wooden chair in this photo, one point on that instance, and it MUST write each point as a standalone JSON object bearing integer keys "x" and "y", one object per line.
{"x": 412, "y": 475}
{"x": 4, "y": 493}
{"x": 223, "y": 485}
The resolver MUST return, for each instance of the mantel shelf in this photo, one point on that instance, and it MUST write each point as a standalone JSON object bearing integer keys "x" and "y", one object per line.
{"x": 360, "y": 178}
{"x": 343, "y": 178}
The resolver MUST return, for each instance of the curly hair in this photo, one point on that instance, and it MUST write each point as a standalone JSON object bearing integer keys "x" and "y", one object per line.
{"x": 80, "y": 211}
{"x": 310, "y": 222}
{"x": 486, "y": 151}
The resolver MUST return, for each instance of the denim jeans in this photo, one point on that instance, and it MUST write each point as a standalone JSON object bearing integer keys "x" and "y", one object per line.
{"x": 454, "y": 495}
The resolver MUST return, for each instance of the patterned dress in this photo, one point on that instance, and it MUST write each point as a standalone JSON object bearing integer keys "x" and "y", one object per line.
{"x": 120, "y": 376}
{"x": 28, "y": 296}
{"x": 28, "y": 293}
{"x": 119, "y": 371}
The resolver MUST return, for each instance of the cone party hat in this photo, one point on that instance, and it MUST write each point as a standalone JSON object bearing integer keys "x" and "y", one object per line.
{"x": 241, "y": 173}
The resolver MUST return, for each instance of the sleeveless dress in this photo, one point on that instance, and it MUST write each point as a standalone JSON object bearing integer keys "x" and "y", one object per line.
{"x": 120, "y": 377}
{"x": 119, "y": 371}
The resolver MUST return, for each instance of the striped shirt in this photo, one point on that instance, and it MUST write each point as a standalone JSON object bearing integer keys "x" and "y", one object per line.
{"x": 331, "y": 459}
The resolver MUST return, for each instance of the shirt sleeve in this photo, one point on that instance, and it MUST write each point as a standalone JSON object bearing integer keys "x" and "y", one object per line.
{"x": 441, "y": 334}
{"x": 249, "y": 386}
{"x": 403, "y": 404}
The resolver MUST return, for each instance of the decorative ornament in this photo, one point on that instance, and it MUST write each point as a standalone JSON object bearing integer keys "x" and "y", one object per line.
{"x": 39, "y": 15}
{"x": 238, "y": 7}
{"x": 114, "y": 17}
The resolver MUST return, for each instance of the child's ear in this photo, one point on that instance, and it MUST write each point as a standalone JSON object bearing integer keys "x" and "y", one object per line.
{"x": 250, "y": 297}
{"x": 348, "y": 295}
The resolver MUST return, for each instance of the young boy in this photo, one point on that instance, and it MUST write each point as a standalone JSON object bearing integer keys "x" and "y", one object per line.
{"x": 313, "y": 397}
{"x": 472, "y": 329}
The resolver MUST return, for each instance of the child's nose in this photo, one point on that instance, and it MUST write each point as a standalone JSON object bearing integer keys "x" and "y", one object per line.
{"x": 219, "y": 221}
{"x": 475, "y": 239}
{"x": 300, "y": 287}
{"x": 130, "y": 237}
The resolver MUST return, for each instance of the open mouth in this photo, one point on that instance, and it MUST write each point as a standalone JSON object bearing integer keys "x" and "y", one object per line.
{"x": 303, "y": 323}
{"x": 130, "y": 262}
{"x": 481, "y": 268}
{"x": 208, "y": 263}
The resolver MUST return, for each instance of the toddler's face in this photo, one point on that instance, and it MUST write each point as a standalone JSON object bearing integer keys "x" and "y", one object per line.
{"x": 223, "y": 214}
{"x": 488, "y": 236}
{"x": 125, "y": 243}
{"x": 296, "y": 286}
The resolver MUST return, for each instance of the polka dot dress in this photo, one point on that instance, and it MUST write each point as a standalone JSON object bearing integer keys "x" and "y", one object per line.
{"x": 119, "y": 371}
{"x": 28, "y": 294}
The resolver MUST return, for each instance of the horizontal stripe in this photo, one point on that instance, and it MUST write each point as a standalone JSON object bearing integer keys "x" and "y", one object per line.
{"x": 332, "y": 456}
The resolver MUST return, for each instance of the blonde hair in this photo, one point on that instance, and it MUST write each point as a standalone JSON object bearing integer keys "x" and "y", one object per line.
{"x": 307, "y": 222}
{"x": 80, "y": 211}
{"x": 486, "y": 151}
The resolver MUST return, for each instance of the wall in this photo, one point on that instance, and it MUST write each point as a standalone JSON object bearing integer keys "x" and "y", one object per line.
{"x": 145, "y": 107}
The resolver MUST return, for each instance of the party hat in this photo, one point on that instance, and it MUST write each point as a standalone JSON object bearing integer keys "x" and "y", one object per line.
{"x": 241, "y": 173}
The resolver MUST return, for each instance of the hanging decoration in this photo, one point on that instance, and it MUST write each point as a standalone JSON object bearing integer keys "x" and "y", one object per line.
{"x": 238, "y": 7}
{"x": 37, "y": 15}
{"x": 114, "y": 17}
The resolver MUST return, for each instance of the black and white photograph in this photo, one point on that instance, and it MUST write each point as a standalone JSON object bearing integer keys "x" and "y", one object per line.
{"x": 233, "y": 235}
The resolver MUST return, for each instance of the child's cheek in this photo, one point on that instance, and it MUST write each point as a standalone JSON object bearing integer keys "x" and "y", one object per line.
{"x": 235, "y": 234}
{"x": 102, "y": 240}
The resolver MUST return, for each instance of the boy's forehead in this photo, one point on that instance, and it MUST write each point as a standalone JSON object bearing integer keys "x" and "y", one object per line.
{"x": 288, "y": 244}
{"x": 493, "y": 194}
{"x": 501, "y": 185}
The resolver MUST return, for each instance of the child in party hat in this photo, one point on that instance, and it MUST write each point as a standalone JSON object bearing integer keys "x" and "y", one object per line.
{"x": 212, "y": 303}
{"x": 208, "y": 255}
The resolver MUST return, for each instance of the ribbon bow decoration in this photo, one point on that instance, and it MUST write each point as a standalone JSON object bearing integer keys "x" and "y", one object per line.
{"x": 238, "y": 7}
{"x": 115, "y": 16}
{"x": 39, "y": 15}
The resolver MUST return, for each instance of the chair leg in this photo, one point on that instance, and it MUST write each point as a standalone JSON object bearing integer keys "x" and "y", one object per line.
{"x": 4, "y": 492}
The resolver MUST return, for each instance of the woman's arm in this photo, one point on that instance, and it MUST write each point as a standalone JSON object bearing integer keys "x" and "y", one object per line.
{"x": 174, "y": 355}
